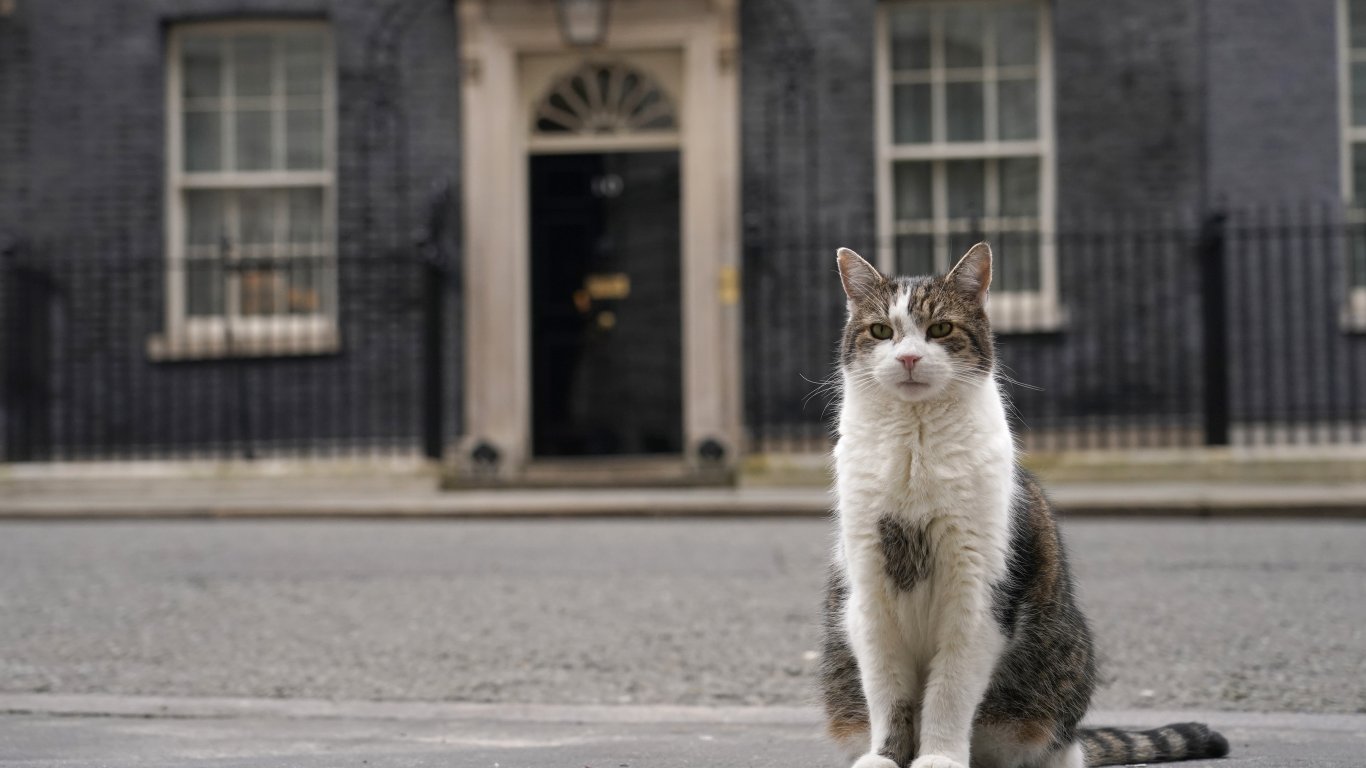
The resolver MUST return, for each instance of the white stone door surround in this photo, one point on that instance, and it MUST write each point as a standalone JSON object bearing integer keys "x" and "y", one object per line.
{"x": 510, "y": 51}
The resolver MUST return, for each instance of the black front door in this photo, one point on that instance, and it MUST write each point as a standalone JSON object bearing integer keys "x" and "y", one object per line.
{"x": 605, "y": 303}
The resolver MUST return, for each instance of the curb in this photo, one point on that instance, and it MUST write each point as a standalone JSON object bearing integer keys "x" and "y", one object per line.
{"x": 1192, "y": 500}
{"x": 456, "y": 504}
{"x": 280, "y": 500}
{"x": 102, "y": 705}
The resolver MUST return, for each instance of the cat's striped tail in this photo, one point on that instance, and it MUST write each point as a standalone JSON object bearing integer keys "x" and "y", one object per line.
{"x": 1179, "y": 741}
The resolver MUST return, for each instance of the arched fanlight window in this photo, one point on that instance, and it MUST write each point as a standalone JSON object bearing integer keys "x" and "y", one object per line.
{"x": 605, "y": 98}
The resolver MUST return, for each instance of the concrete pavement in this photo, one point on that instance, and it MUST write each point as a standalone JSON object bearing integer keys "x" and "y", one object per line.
{"x": 604, "y": 642}
{"x": 1326, "y": 481}
{"x": 111, "y": 732}
{"x": 1235, "y": 615}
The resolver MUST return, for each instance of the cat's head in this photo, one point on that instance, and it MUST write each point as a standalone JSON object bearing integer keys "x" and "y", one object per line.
{"x": 916, "y": 338}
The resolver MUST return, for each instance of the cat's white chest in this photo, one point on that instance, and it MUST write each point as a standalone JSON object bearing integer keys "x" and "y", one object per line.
{"x": 945, "y": 474}
{"x": 925, "y": 463}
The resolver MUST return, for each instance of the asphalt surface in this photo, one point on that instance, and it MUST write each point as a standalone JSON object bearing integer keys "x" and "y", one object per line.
{"x": 1189, "y": 615}
{"x": 641, "y": 737}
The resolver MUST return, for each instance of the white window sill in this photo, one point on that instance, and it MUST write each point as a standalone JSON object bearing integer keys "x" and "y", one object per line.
{"x": 1020, "y": 312}
{"x": 1354, "y": 314}
{"x": 213, "y": 345}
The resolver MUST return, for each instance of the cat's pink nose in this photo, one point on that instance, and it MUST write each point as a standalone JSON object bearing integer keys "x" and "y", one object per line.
{"x": 909, "y": 361}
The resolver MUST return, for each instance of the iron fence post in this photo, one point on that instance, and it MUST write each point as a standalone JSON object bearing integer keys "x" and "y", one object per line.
{"x": 432, "y": 319}
{"x": 9, "y": 321}
{"x": 26, "y": 296}
{"x": 435, "y": 272}
{"x": 1214, "y": 328}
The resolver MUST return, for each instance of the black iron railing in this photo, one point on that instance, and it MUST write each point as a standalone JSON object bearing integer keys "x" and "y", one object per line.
{"x": 1242, "y": 328}
{"x": 1245, "y": 327}
{"x": 115, "y": 356}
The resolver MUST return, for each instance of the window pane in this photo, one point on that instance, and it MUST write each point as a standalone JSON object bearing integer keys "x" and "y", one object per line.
{"x": 202, "y": 67}
{"x": 967, "y": 194}
{"x": 963, "y": 29}
{"x": 305, "y": 215}
{"x": 203, "y": 218}
{"x": 256, "y": 216}
{"x": 253, "y": 141}
{"x": 305, "y": 287}
{"x": 262, "y": 291}
{"x": 913, "y": 191}
{"x": 1017, "y": 36}
{"x": 203, "y": 141}
{"x": 966, "y": 113}
{"x": 1016, "y": 261}
{"x": 915, "y": 254}
{"x": 303, "y": 64}
{"x": 251, "y": 60}
{"x": 1359, "y": 93}
{"x": 1019, "y": 186}
{"x": 303, "y": 139}
{"x": 1357, "y": 20}
{"x": 1356, "y": 260}
{"x": 203, "y": 287}
{"x": 960, "y": 242}
{"x": 910, "y": 38}
{"x": 1018, "y": 109}
{"x": 1359, "y": 174}
{"x": 911, "y": 114}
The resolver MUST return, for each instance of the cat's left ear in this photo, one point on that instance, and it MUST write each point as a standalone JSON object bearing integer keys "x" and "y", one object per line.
{"x": 972, "y": 275}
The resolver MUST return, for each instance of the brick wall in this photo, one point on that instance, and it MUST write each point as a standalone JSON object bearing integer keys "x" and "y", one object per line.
{"x": 1273, "y": 102}
{"x": 1128, "y": 104}
{"x": 807, "y": 128}
{"x": 84, "y": 95}
{"x": 15, "y": 101}
{"x": 1160, "y": 106}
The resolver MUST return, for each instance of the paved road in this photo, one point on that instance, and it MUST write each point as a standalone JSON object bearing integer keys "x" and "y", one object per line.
{"x": 1190, "y": 615}
{"x": 266, "y": 734}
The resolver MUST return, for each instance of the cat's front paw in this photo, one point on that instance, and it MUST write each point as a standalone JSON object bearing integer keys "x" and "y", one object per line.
{"x": 871, "y": 760}
{"x": 936, "y": 761}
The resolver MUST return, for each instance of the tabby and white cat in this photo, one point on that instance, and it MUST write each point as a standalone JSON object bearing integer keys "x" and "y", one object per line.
{"x": 952, "y": 636}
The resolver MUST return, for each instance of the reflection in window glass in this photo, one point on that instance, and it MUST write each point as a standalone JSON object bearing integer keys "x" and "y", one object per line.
{"x": 1019, "y": 184}
{"x": 910, "y": 29}
{"x": 914, "y": 191}
{"x": 912, "y": 121}
{"x": 1018, "y": 110}
{"x": 967, "y": 195}
{"x": 965, "y": 110}
{"x": 964, "y": 27}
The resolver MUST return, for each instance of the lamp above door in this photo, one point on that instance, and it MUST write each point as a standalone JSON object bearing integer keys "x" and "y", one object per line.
{"x": 583, "y": 23}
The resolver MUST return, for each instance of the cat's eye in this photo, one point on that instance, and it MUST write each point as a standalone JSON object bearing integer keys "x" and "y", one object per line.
{"x": 880, "y": 332}
{"x": 940, "y": 330}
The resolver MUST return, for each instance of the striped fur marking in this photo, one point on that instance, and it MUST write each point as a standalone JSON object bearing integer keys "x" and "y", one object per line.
{"x": 1178, "y": 741}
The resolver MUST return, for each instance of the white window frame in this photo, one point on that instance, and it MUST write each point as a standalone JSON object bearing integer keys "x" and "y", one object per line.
{"x": 230, "y": 335}
{"x": 1011, "y": 311}
{"x": 1354, "y": 315}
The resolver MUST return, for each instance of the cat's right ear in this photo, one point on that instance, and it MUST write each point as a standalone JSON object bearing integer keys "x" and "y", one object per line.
{"x": 860, "y": 279}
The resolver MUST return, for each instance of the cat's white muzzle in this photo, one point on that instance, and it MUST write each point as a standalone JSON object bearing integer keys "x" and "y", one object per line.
{"x": 927, "y": 381}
